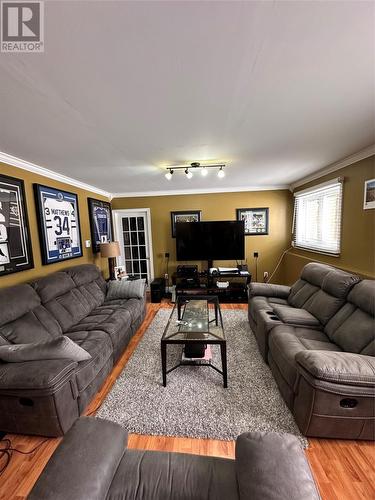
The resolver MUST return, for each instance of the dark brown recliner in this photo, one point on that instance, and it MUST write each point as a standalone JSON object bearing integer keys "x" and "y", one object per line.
{"x": 318, "y": 338}
{"x": 45, "y": 397}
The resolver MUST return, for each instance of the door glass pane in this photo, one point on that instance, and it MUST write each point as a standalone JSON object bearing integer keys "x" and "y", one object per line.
{"x": 136, "y": 266}
{"x": 134, "y": 238}
{"x": 125, "y": 224}
{"x": 142, "y": 252}
{"x": 135, "y": 252}
{"x": 140, "y": 223}
{"x": 127, "y": 253}
{"x": 126, "y": 238}
{"x": 141, "y": 236}
{"x": 133, "y": 223}
{"x": 128, "y": 265}
{"x": 143, "y": 266}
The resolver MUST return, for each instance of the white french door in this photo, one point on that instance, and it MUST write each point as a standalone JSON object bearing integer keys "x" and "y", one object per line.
{"x": 133, "y": 232}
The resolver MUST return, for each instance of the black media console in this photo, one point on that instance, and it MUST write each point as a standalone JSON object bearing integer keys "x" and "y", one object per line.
{"x": 206, "y": 284}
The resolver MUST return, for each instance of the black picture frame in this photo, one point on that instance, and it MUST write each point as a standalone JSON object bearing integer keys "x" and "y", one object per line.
{"x": 99, "y": 229}
{"x": 16, "y": 252}
{"x": 256, "y": 220}
{"x": 59, "y": 225}
{"x": 184, "y": 216}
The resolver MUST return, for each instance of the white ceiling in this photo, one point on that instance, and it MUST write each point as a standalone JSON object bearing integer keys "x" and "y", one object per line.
{"x": 276, "y": 89}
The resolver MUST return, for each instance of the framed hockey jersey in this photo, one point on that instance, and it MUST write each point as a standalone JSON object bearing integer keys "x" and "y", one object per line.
{"x": 100, "y": 223}
{"x": 15, "y": 244}
{"x": 59, "y": 228}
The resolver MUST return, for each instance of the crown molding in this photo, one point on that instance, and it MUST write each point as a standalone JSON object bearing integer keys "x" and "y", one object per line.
{"x": 36, "y": 169}
{"x": 345, "y": 162}
{"x": 199, "y": 191}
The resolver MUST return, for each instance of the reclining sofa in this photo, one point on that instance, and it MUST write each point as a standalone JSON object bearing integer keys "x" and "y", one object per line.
{"x": 46, "y": 396}
{"x": 318, "y": 338}
{"x": 267, "y": 467}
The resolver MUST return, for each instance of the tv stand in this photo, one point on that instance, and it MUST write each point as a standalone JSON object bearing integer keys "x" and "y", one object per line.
{"x": 205, "y": 284}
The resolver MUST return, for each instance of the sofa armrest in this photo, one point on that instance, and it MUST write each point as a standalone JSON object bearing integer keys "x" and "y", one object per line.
{"x": 44, "y": 374}
{"x": 272, "y": 466}
{"x": 84, "y": 464}
{"x": 269, "y": 290}
{"x": 338, "y": 367}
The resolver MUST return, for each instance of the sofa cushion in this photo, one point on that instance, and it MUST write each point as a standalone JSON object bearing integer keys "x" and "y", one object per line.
{"x": 37, "y": 325}
{"x": 339, "y": 283}
{"x": 60, "y": 348}
{"x": 286, "y": 341}
{"x": 83, "y": 274}
{"x": 363, "y": 296}
{"x": 295, "y": 316}
{"x": 99, "y": 346}
{"x": 16, "y": 301}
{"x": 54, "y": 285}
{"x": 300, "y": 292}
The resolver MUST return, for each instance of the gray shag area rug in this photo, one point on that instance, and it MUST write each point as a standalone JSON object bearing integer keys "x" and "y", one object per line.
{"x": 194, "y": 402}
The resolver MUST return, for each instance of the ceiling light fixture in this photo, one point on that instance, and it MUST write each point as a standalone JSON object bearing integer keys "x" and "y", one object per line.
{"x": 169, "y": 174}
{"x": 195, "y": 165}
{"x": 189, "y": 174}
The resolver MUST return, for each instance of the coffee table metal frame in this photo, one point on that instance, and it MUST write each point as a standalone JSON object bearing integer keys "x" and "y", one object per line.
{"x": 213, "y": 340}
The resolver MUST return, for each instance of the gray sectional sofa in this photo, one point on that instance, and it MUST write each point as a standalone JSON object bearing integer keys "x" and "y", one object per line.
{"x": 45, "y": 397}
{"x": 267, "y": 467}
{"x": 318, "y": 337}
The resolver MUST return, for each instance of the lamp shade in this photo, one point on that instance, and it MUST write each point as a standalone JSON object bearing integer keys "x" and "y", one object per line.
{"x": 110, "y": 249}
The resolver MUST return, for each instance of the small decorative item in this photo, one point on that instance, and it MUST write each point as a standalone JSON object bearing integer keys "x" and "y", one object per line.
{"x": 111, "y": 251}
{"x": 256, "y": 220}
{"x": 58, "y": 219}
{"x": 100, "y": 223}
{"x": 184, "y": 216}
{"x": 15, "y": 245}
{"x": 369, "y": 196}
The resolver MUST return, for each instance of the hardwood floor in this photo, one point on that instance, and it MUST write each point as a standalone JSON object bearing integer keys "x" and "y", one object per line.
{"x": 344, "y": 470}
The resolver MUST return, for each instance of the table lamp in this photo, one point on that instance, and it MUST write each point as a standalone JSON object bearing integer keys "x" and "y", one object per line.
{"x": 111, "y": 251}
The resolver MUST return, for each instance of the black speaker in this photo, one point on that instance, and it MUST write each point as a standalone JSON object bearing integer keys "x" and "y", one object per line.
{"x": 157, "y": 290}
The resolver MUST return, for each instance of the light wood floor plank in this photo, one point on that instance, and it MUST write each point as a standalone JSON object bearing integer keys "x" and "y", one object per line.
{"x": 344, "y": 470}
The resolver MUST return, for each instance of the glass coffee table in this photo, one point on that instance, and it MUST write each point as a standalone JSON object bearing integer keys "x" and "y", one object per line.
{"x": 195, "y": 322}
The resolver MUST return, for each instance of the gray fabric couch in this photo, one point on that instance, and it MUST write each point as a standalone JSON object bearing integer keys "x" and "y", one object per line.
{"x": 318, "y": 338}
{"x": 93, "y": 463}
{"x": 45, "y": 397}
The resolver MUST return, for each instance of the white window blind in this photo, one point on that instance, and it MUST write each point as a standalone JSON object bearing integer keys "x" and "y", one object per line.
{"x": 317, "y": 218}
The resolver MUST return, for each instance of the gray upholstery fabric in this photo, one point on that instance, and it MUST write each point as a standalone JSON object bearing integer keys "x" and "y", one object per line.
{"x": 300, "y": 292}
{"x": 125, "y": 289}
{"x": 344, "y": 368}
{"x": 83, "y": 274}
{"x": 83, "y": 465}
{"x": 267, "y": 467}
{"x": 363, "y": 296}
{"x": 315, "y": 273}
{"x": 295, "y": 316}
{"x": 274, "y": 467}
{"x": 60, "y": 348}
{"x": 339, "y": 283}
{"x": 268, "y": 290}
{"x": 17, "y": 301}
{"x": 53, "y": 285}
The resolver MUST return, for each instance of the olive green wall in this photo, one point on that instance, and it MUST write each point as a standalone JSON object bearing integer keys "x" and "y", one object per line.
{"x": 39, "y": 269}
{"x": 220, "y": 206}
{"x": 358, "y": 227}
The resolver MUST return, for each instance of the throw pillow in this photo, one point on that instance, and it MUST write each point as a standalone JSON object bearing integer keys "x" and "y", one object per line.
{"x": 60, "y": 348}
{"x": 125, "y": 289}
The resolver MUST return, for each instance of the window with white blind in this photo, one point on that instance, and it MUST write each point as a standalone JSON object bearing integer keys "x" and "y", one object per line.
{"x": 317, "y": 218}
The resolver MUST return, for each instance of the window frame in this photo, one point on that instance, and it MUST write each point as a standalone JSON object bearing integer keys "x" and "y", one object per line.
{"x": 337, "y": 182}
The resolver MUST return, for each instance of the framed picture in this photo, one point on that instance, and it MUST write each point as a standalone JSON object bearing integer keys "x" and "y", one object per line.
{"x": 256, "y": 220}
{"x": 100, "y": 223}
{"x": 369, "y": 195}
{"x": 58, "y": 220}
{"x": 15, "y": 244}
{"x": 184, "y": 216}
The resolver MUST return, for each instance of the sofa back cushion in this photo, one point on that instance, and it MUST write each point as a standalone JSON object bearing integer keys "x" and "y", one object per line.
{"x": 71, "y": 295}
{"x": 352, "y": 327}
{"x": 309, "y": 284}
{"x": 23, "y": 319}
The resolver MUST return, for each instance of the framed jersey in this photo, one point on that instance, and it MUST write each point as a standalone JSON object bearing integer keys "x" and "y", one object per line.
{"x": 100, "y": 223}
{"x": 15, "y": 245}
{"x": 59, "y": 229}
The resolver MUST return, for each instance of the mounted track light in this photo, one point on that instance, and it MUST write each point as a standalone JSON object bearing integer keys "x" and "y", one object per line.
{"x": 195, "y": 165}
{"x": 169, "y": 174}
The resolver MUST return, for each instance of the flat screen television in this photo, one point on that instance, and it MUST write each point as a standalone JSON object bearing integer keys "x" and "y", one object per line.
{"x": 216, "y": 240}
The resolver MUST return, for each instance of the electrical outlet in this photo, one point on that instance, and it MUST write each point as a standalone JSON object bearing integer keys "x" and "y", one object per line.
{"x": 256, "y": 255}
{"x": 265, "y": 276}
{"x": 166, "y": 255}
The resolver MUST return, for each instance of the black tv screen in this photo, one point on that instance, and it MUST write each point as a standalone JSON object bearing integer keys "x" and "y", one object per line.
{"x": 216, "y": 240}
